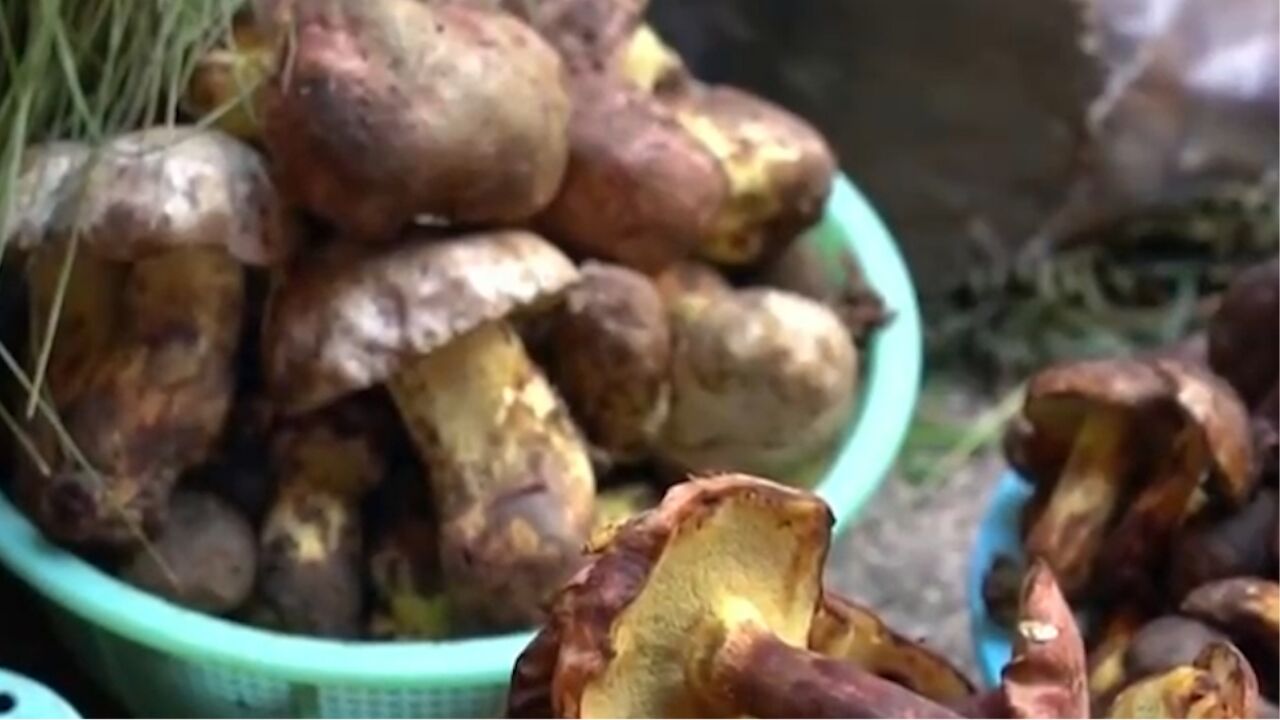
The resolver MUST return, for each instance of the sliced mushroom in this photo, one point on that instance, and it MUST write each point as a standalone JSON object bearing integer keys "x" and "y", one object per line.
{"x": 610, "y": 350}
{"x": 846, "y": 631}
{"x": 511, "y": 479}
{"x": 1082, "y": 418}
{"x": 312, "y": 540}
{"x": 702, "y": 608}
{"x": 143, "y": 376}
{"x": 762, "y": 381}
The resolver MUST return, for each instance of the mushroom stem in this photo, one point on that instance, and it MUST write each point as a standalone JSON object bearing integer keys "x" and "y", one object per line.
{"x": 510, "y": 475}
{"x": 754, "y": 672}
{"x": 1147, "y": 526}
{"x": 1069, "y": 531}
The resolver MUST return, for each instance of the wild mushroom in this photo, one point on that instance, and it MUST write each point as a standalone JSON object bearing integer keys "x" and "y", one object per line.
{"x": 779, "y": 167}
{"x": 404, "y": 563}
{"x": 1082, "y": 418}
{"x": 1249, "y": 311}
{"x": 703, "y": 607}
{"x": 1213, "y": 444}
{"x": 1218, "y": 683}
{"x": 312, "y": 541}
{"x": 1220, "y": 545}
{"x": 1106, "y": 653}
{"x": 1047, "y": 676}
{"x": 690, "y": 278}
{"x": 141, "y": 372}
{"x": 761, "y": 381}
{"x": 228, "y": 82}
{"x": 205, "y": 558}
{"x": 383, "y": 110}
{"x": 1165, "y": 643}
{"x": 511, "y": 480}
{"x": 847, "y": 631}
{"x": 1246, "y": 608}
{"x": 610, "y": 350}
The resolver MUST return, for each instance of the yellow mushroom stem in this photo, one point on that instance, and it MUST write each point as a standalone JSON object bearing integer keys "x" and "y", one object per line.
{"x": 742, "y": 668}
{"x": 1069, "y": 532}
{"x": 511, "y": 479}
{"x": 1145, "y": 530}
{"x": 1106, "y": 657}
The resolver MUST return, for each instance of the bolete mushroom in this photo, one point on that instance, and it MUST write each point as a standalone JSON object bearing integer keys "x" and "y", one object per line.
{"x": 1224, "y": 544}
{"x": 1047, "y": 676}
{"x": 610, "y": 350}
{"x": 762, "y": 380}
{"x": 703, "y": 607}
{"x": 155, "y": 226}
{"x": 311, "y": 565}
{"x": 1246, "y": 608}
{"x": 1218, "y": 684}
{"x": 844, "y": 630}
{"x": 1239, "y": 332}
{"x": 404, "y": 563}
{"x": 779, "y": 168}
{"x": 1082, "y": 418}
{"x": 511, "y": 480}
{"x": 205, "y": 557}
{"x": 1211, "y": 448}
{"x": 228, "y": 82}
{"x": 380, "y": 111}
{"x": 1107, "y": 651}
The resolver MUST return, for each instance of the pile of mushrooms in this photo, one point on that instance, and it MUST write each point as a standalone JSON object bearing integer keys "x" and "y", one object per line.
{"x": 1155, "y": 498}
{"x": 432, "y": 292}
{"x": 712, "y": 605}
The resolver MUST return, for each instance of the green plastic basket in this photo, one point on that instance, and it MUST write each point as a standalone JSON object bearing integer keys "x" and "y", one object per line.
{"x": 160, "y": 659}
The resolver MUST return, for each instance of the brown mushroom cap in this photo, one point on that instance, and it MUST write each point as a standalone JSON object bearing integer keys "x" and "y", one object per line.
{"x": 624, "y": 625}
{"x": 1059, "y": 398}
{"x": 39, "y": 191}
{"x": 1210, "y": 403}
{"x": 1239, "y": 333}
{"x": 348, "y": 321}
{"x": 168, "y": 187}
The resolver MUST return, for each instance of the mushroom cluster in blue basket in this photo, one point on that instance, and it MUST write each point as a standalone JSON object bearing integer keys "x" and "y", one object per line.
{"x": 1148, "y": 485}
{"x": 401, "y": 303}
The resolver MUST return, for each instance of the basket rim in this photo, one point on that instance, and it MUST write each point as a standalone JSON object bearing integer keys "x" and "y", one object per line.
{"x": 890, "y": 389}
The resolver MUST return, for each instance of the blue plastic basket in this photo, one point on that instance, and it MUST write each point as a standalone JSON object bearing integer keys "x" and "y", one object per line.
{"x": 21, "y": 698}
{"x": 997, "y": 535}
{"x": 161, "y": 659}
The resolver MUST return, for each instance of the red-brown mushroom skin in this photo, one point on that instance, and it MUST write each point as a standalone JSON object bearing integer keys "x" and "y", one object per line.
{"x": 1048, "y": 675}
{"x": 1249, "y": 313}
{"x": 639, "y": 190}
{"x": 384, "y": 110}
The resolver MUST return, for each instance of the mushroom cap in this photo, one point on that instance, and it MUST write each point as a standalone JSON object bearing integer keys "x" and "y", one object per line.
{"x": 621, "y": 632}
{"x": 1249, "y": 313}
{"x": 1048, "y": 675}
{"x": 348, "y": 320}
{"x": 40, "y": 188}
{"x": 1060, "y": 397}
{"x": 166, "y": 187}
{"x": 1218, "y": 683}
{"x": 1167, "y": 642}
{"x": 1209, "y": 402}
